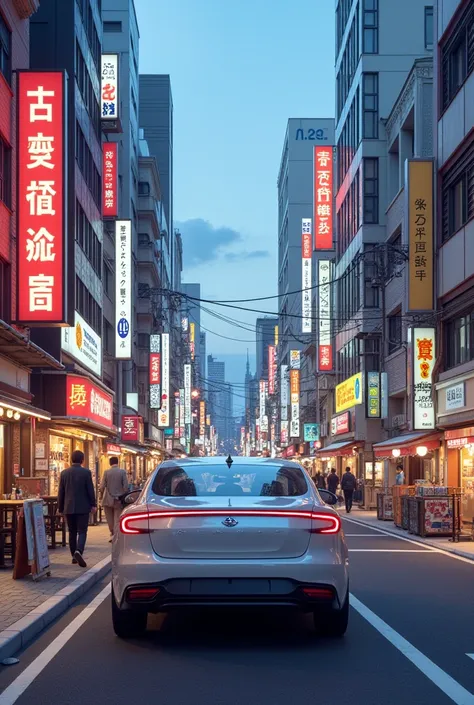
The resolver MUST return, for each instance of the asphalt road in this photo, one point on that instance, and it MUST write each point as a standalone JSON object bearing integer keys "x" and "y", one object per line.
{"x": 409, "y": 633}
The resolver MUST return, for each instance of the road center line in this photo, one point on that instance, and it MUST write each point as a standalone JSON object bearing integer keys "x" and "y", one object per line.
{"x": 414, "y": 542}
{"x": 11, "y": 694}
{"x": 434, "y": 673}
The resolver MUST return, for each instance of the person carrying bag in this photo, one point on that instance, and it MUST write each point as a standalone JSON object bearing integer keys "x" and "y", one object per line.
{"x": 113, "y": 487}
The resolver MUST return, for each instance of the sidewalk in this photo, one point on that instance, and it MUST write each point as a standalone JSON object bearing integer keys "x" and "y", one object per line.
{"x": 369, "y": 518}
{"x": 27, "y": 607}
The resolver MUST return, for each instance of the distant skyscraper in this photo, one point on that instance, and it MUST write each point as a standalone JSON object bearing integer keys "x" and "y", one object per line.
{"x": 220, "y": 402}
{"x": 265, "y": 336}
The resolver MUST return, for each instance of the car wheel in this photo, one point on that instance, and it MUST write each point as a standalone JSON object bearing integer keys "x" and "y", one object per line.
{"x": 333, "y": 623}
{"x": 127, "y": 624}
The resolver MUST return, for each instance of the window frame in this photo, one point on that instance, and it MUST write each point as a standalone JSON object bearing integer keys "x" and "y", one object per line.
{"x": 374, "y": 197}
{"x": 372, "y": 28}
{"x": 5, "y": 49}
{"x": 395, "y": 337}
{"x": 374, "y": 112}
{"x": 5, "y": 291}
{"x": 5, "y": 173}
{"x": 462, "y": 37}
{"x": 429, "y": 12}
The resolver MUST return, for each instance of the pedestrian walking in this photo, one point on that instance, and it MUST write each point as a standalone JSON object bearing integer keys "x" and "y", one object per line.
{"x": 114, "y": 485}
{"x": 333, "y": 481}
{"x": 76, "y": 501}
{"x": 320, "y": 481}
{"x": 400, "y": 477}
{"x": 348, "y": 485}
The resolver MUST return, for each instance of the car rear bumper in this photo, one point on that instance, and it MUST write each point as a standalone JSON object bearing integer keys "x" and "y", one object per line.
{"x": 226, "y": 593}
{"x": 229, "y": 582}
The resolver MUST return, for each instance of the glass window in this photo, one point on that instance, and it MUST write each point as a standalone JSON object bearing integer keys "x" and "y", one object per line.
{"x": 457, "y": 56}
{"x": 459, "y": 340}
{"x": 5, "y": 291}
{"x": 5, "y": 173}
{"x": 370, "y": 27}
{"x": 201, "y": 480}
{"x": 370, "y": 105}
{"x": 371, "y": 191}
{"x": 429, "y": 28}
{"x": 112, "y": 26}
{"x": 5, "y": 49}
{"x": 394, "y": 332}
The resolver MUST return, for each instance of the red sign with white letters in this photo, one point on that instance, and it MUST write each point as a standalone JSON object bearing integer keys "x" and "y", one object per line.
{"x": 130, "y": 428}
{"x": 41, "y": 198}
{"x": 109, "y": 180}
{"x": 155, "y": 368}
{"x": 323, "y": 198}
{"x": 306, "y": 244}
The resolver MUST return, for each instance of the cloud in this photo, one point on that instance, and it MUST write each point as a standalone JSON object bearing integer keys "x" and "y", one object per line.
{"x": 202, "y": 242}
{"x": 242, "y": 256}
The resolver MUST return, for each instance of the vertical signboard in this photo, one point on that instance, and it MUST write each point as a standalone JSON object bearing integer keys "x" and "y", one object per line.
{"x": 202, "y": 420}
{"x": 155, "y": 371}
{"x": 276, "y": 336}
{"x": 295, "y": 403}
{"x": 109, "y": 98}
{"x": 187, "y": 394}
{"x": 192, "y": 339}
{"x": 109, "y": 180}
{"x": 271, "y": 369}
{"x": 295, "y": 359}
{"x": 182, "y": 433}
{"x": 373, "y": 391}
{"x": 420, "y": 236}
{"x": 176, "y": 415}
{"x": 424, "y": 356}
{"x": 130, "y": 428}
{"x": 325, "y": 356}
{"x": 306, "y": 289}
{"x": 284, "y": 400}
{"x": 263, "y": 399}
{"x": 164, "y": 413}
{"x": 123, "y": 289}
{"x": 42, "y": 190}
{"x": 323, "y": 198}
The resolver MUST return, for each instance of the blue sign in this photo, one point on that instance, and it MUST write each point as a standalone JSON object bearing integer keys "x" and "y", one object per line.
{"x": 357, "y": 388}
{"x": 311, "y": 432}
{"x": 123, "y": 328}
{"x": 169, "y": 431}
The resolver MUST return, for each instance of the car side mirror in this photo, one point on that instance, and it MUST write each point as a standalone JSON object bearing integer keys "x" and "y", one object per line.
{"x": 131, "y": 497}
{"x": 328, "y": 497}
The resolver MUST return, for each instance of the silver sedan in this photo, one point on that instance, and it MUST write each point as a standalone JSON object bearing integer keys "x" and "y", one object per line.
{"x": 242, "y": 532}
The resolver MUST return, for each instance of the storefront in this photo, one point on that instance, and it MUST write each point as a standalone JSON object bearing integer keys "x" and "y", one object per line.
{"x": 459, "y": 445}
{"x": 418, "y": 453}
{"x": 81, "y": 419}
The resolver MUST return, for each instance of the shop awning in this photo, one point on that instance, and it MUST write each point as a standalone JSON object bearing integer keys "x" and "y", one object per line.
{"x": 86, "y": 425}
{"x": 7, "y": 402}
{"x": 338, "y": 448}
{"x": 406, "y": 444}
{"x": 136, "y": 450}
{"x": 21, "y": 350}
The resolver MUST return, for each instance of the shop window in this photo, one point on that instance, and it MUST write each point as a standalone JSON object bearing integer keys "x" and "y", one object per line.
{"x": 5, "y": 50}
{"x": 5, "y": 291}
{"x": 394, "y": 332}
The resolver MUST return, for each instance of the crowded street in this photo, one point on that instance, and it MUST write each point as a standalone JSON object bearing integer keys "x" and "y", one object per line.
{"x": 409, "y": 640}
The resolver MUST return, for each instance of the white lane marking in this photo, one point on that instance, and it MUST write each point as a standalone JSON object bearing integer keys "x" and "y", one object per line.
{"x": 417, "y": 543}
{"x": 470, "y": 656}
{"x": 372, "y": 536}
{"x": 454, "y": 690}
{"x": 11, "y": 694}
{"x": 392, "y": 550}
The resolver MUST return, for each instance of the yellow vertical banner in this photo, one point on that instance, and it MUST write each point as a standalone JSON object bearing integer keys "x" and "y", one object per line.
{"x": 420, "y": 235}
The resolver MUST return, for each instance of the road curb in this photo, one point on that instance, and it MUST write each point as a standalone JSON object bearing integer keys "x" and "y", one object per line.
{"x": 416, "y": 539}
{"x": 20, "y": 633}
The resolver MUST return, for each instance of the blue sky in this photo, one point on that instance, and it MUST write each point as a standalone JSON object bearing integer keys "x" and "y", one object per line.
{"x": 239, "y": 69}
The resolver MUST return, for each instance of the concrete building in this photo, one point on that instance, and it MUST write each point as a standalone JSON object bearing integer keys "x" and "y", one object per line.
{"x": 220, "y": 402}
{"x": 454, "y": 75}
{"x": 370, "y": 74}
{"x": 18, "y": 355}
{"x": 192, "y": 311}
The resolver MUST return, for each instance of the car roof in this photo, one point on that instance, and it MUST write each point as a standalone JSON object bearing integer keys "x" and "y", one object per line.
{"x": 238, "y": 461}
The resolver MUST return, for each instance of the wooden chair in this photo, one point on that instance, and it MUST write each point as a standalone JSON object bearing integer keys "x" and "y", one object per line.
{"x": 8, "y": 529}
{"x": 54, "y": 523}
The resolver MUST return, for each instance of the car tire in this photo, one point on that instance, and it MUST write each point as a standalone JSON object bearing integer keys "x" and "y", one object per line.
{"x": 128, "y": 624}
{"x": 333, "y": 623}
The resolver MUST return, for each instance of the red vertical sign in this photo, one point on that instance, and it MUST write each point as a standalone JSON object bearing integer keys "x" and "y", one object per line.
{"x": 271, "y": 369}
{"x": 155, "y": 368}
{"x": 41, "y": 198}
{"x": 323, "y": 198}
{"x": 109, "y": 180}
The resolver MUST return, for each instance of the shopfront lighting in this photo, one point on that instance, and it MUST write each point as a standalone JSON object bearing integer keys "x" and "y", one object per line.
{"x": 421, "y": 451}
{"x": 396, "y": 452}
{"x": 35, "y": 414}
{"x": 1, "y": 411}
{"x": 195, "y": 393}
{"x": 17, "y": 416}
{"x": 9, "y": 413}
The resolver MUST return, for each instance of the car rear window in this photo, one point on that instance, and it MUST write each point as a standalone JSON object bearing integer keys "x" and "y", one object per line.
{"x": 210, "y": 481}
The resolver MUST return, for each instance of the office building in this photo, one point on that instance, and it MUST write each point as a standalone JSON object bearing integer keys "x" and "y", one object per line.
{"x": 265, "y": 336}
{"x": 191, "y": 311}
{"x": 220, "y": 401}
{"x": 454, "y": 107}
{"x": 370, "y": 74}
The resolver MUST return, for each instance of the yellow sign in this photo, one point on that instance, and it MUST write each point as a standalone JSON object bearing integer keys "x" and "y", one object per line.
{"x": 192, "y": 337}
{"x": 420, "y": 236}
{"x": 276, "y": 336}
{"x": 349, "y": 393}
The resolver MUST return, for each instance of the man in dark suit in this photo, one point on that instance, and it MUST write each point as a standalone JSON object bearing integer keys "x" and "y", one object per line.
{"x": 76, "y": 500}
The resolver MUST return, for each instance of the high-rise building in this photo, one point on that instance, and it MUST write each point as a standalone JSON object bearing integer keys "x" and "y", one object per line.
{"x": 295, "y": 202}
{"x": 191, "y": 311}
{"x": 220, "y": 401}
{"x": 265, "y": 336}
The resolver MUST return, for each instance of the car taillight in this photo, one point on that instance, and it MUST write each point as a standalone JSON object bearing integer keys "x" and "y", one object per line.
{"x": 319, "y": 593}
{"x": 138, "y": 594}
{"x": 321, "y": 523}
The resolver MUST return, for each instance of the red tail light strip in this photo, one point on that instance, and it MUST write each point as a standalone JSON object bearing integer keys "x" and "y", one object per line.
{"x": 332, "y": 520}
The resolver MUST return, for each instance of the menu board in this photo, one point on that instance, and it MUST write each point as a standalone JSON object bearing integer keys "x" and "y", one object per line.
{"x": 36, "y": 539}
{"x": 438, "y": 515}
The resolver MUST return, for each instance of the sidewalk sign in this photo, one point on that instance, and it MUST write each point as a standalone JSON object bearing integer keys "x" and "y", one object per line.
{"x": 32, "y": 555}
